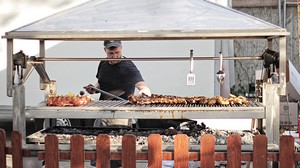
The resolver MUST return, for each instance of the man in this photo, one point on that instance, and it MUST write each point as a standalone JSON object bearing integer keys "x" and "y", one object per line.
{"x": 119, "y": 77}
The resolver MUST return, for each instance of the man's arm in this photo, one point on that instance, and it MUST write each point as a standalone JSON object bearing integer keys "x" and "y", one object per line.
{"x": 143, "y": 88}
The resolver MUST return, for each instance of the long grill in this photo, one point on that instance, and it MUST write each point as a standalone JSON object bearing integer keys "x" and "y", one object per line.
{"x": 123, "y": 109}
{"x": 111, "y": 103}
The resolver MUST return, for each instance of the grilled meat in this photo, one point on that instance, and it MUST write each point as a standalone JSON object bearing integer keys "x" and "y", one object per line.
{"x": 69, "y": 100}
{"x": 168, "y": 99}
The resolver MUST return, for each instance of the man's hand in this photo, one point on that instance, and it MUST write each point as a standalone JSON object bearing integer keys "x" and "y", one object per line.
{"x": 89, "y": 89}
{"x": 143, "y": 88}
{"x": 145, "y": 91}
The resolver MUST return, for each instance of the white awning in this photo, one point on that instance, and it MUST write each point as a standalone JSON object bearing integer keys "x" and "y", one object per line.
{"x": 144, "y": 19}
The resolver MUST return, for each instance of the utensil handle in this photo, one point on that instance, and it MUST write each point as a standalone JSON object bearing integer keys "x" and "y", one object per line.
{"x": 221, "y": 61}
{"x": 191, "y": 61}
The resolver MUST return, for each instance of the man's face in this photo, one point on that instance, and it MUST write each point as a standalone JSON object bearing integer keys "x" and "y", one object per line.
{"x": 114, "y": 53}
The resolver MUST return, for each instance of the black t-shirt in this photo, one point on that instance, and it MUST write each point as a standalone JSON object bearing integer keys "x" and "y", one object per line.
{"x": 122, "y": 76}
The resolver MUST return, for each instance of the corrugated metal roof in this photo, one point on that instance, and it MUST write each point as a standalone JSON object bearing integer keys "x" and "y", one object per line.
{"x": 145, "y": 19}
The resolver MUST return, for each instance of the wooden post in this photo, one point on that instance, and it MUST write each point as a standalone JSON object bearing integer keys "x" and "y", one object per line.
{"x": 234, "y": 143}
{"x": 207, "y": 151}
{"x": 286, "y": 151}
{"x": 181, "y": 151}
{"x": 103, "y": 151}
{"x": 128, "y": 151}
{"x": 17, "y": 153}
{"x": 155, "y": 154}
{"x": 77, "y": 151}
{"x": 260, "y": 147}
{"x": 2, "y": 148}
{"x": 51, "y": 152}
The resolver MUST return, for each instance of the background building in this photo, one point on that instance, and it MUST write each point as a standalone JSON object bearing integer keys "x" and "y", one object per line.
{"x": 278, "y": 12}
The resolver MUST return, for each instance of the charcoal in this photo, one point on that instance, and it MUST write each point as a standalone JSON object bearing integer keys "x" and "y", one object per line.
{"x": 193, "y": 131}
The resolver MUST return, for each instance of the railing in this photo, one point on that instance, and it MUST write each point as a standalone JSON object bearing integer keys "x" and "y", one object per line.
{"x": 181, "y": 155}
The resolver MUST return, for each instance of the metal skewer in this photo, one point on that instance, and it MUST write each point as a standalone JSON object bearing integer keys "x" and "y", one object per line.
{"x": 109, "y": 94}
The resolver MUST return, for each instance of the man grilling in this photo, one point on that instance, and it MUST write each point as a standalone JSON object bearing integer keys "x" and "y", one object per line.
{"x": 121, "y": 77}
{"x": 118, "y": 77}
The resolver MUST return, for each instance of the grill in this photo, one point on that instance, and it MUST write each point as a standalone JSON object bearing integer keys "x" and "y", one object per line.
{"x": 111, "y": 103}
{"x": 118, "y": 103}
{"x": 123, "y": 109}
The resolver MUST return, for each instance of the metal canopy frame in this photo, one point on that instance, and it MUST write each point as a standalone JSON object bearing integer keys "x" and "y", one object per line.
{"x": 150, "y": 35}
{"x": 147, "y": 20}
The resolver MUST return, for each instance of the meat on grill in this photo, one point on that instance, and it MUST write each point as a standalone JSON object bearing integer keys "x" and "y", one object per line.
{"x": 62, "y": 101}
{"x": 168, "y": 99}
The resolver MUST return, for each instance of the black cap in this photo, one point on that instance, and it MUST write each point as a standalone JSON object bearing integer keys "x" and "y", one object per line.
{"x": 112, "y": 43}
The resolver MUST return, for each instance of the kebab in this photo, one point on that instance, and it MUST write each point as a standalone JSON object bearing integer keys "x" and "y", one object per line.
{"x": 169, "y": 99}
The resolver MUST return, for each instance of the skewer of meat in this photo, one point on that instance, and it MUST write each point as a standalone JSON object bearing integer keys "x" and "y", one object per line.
{"x": 168, "y": 99}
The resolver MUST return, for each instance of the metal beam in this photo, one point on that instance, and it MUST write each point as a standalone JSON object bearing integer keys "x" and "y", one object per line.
{"x": 282, "y": 65}
{"x": 9, "y": 68}
{"x": 19, "y": 120}
{"x": 147, "y": 59}
{"x": 271, "y": 102}
{"x": 150, "y": 35}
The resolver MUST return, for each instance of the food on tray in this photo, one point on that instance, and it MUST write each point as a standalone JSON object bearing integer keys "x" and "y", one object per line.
{"x": 167, "y": 99}
{"x": 68, "y": 100}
